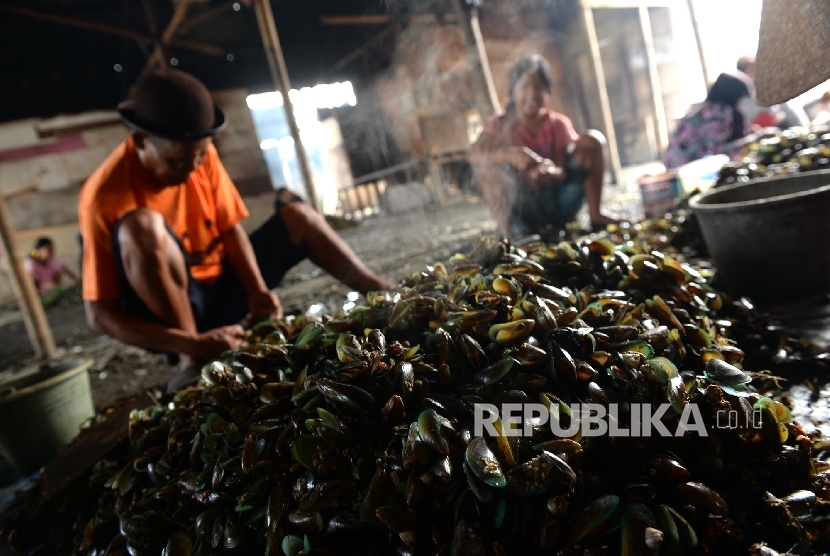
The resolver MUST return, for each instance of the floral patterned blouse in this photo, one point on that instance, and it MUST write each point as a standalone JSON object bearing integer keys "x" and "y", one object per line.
{"x": 703, "y": 132}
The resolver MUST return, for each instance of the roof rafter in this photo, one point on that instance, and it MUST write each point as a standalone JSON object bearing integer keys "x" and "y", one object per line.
{"x": 178, "y": 42}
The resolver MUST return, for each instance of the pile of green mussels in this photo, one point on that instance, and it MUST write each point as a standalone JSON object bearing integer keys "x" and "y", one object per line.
{"x": 791, "y": 151}
{"x": 356, "y": 434}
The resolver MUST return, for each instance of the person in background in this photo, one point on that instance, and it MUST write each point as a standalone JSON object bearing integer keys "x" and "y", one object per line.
{"x": 47, "y": 270}
{"x": 783, "y": 116}
{"x": 819, "y": 109}
{"x": 167, "y": 264}
{"x": 533, "y": 170}
{"x": 711, "y": 127}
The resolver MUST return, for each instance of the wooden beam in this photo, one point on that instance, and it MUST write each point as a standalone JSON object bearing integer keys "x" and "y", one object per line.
{"x": 484, "y": 89}
{"x": 198, "y": 19}
{"x": 150, "y": 16}
{"x": 367, "y": 46}
{"x": 22, "y": 192}
{"x": 382, "y": 19}
{"x": 40, "y": 335}
{"x": 696, "y": 29}
{"x": 196, "y": 46}
{"x": 485, "y": 61}
{"x": 380, "y": 174}
{"x": 158, "y": 57}
{"x": 605, "y": 104}
{"x": 279, "y": 73}
{"x": 76, "y": 22}
{"x": 177, "y": 19}
{"x": 654, "y": 79}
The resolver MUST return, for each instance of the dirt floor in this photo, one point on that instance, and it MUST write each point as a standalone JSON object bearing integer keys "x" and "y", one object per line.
{"x": 393, "y": 245}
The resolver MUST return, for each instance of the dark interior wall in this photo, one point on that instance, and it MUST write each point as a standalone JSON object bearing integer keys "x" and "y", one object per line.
{"x": 48, "y": 68}
{"x": 367, "y": 139}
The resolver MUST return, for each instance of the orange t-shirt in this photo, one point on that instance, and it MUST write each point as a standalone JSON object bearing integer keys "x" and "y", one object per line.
{"x": 198, "y": 211}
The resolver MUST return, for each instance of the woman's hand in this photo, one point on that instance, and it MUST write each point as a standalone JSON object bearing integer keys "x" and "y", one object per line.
{"x": 521, "y": 158}
{"x": 545, "y": 173}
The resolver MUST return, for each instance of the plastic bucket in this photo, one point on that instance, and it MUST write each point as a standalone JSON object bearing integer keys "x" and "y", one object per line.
{"x": 41, "y": 409}
{"x": 660, "y": 193}
{"x": 770, "y": 238}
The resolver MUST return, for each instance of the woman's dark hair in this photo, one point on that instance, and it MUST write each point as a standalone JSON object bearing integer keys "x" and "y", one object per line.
{"x": 728, "y": 90}
{"x": 529, "y": 64}
{"x": 43, "y": 242}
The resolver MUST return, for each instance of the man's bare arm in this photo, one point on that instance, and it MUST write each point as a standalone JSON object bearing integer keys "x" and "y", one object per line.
{"x": 108, "y": 317}
{"x": 241, "y": 257}
{"x": 261, "y": 301}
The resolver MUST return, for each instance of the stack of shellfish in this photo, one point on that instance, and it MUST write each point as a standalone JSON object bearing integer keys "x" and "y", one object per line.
{"x": 358, "y": 434}
{"x": 791, "y": 151}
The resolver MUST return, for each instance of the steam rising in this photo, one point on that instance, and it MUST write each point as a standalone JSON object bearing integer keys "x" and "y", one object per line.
{"x": 429, "y": 73}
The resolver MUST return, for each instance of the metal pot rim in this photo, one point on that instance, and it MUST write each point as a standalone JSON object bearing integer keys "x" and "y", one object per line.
{"x": 696, "y": 204}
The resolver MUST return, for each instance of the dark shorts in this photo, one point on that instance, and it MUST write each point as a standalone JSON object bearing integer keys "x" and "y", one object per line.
{"x": 553, "y": 206}
{"x": 224, "y": 301}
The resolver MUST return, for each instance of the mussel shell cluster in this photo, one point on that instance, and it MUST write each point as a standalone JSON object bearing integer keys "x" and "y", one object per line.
{"x": 356, "y": 434}
{"x": 791, "y": 151}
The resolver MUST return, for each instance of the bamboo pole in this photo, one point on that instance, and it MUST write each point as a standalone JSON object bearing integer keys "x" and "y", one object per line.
{"x": 605, "y": 103}
{"x": 654, "y": 79}
{"x": 279, "y": 73}
{"x": 40, "y": 335}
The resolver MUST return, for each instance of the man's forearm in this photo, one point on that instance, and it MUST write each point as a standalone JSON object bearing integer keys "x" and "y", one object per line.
{"x": 136, "y": 330}
{"x": 242, "y": 259}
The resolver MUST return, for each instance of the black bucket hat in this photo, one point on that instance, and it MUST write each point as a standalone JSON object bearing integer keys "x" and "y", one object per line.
{"x": 173, "y": 105}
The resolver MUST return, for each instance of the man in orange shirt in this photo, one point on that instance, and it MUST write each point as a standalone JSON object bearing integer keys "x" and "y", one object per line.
{"x": 167, "y": 265}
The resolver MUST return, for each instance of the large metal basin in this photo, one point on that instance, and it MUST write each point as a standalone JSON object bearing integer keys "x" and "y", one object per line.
{"x": 770, "y": 238}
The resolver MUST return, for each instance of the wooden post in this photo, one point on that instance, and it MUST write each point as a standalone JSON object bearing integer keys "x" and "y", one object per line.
{"x": 279, "y": 73}
{"x": 437, "y": 179}
{"x": 605, "y": 104}
{"x": 696, "y": 29}
{"x": 654, "y": 79}
{"x": 40, "y": 335}
{"x": 484, "y": 90}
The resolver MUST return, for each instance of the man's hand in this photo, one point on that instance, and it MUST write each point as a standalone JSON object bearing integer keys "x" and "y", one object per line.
{"x": 263, "y": 304}
{"x": 213, "y": 342}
